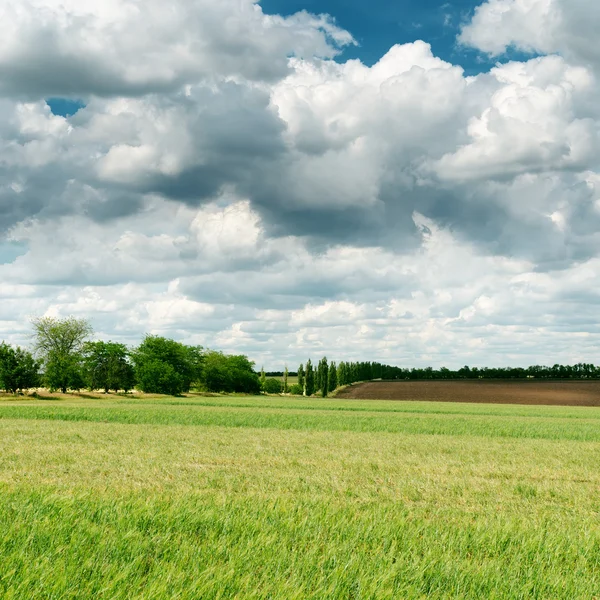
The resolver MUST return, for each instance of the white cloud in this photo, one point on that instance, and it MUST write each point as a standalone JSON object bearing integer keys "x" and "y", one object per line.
{"x": 217, "y": 190}
{"x": 567, "y": 27}
{"x": 134, "y": 47}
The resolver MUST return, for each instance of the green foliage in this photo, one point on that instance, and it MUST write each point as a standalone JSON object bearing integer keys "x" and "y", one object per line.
{"x": 341, "y": 374}
{"x": 263, "y": 378}
{"x": 159, "y": 377}
{"x": 309, "y": 379}
{"x": 106, "y": 366}
{"x": 59, "y": 342}
{"x": 222, "y": 373}
{"x": 332, "y": 377}
{"x": 272, "y": 386}
{"x": 322, "y": 379}
{"x": 18, "y": 369}
{"x": 60, "y": 337}
{"x": 164, "y": 366}
{"x": 301, "y": 376}
{"x": 296, "y": 389}
{"x": 285, "y": 380}
{"x": 63, "y": 372}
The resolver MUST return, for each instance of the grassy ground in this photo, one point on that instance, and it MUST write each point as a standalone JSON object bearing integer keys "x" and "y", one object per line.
{"x": 297, "y": 498}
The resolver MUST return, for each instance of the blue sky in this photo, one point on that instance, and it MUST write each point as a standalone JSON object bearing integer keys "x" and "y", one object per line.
{"x": 379, "y": 24}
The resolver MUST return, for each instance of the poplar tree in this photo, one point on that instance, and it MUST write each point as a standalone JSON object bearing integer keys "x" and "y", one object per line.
{"x": 263, "y": 378}
{"x": 309, "y": 380}
{"x": 324, "y": 370}
{"x": 285, "y": 380}
{"x": 318, "y": 375}
{"x": 332, "y": 378}
{"x": 301, "y": 375}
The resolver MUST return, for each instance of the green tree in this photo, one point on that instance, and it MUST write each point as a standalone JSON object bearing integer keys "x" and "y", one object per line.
{"x": 164, "y": 366}
{"x": 64, "y": 372}
{"x": 106, "y": 366}
{"x": 263, "y": 378}
{"x": 223, "y": 373}
{"x": 58, "y": 342}
{"x": 301, "y": 375}
{"x": 332, "y": 378}
{"x": 18, "y": 369}
{"x": 341, "y": 374}
{"x": 285, "y": 380}
{"x": 309, "y": 379}
{"x": 272, "y": 386}
{"x": 324, "y": 376}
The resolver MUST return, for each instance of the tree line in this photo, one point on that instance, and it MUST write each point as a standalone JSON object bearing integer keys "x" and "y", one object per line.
{"x": 64, "y": 358}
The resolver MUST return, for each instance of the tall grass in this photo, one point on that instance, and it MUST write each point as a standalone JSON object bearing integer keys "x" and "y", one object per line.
{"x": 164, "y": 498}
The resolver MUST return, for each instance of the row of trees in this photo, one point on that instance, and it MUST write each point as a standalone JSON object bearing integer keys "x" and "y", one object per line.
{"x": 64, "y": 359}
{"x": 577, "y": 371}
{"x": 326, "y": 377}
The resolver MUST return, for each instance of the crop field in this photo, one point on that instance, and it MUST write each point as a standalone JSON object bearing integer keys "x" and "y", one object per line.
{"x": 534, "y": 392}
{"x": 278, "y": 497}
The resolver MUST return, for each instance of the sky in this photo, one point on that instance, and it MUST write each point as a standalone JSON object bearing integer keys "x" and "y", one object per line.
{"x": 411, "y": 182}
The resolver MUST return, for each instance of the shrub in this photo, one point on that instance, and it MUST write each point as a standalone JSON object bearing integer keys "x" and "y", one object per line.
{"x": 296, "y": 389}
{"x": 272, "y": 386}
{"x": 18, "y": 369}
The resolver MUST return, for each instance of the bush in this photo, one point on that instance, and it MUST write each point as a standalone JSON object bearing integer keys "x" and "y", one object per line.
{"x": 229, "y": 374}
{"x": 272, "y": 386}
{"x": 159, "y": 377}
{"x": 164, "y": 366}
{"x": 296, "y": 389}
{"x": 18, "y": 369}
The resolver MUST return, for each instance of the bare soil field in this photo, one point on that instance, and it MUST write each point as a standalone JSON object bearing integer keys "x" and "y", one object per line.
{"x": 557, "y": 393}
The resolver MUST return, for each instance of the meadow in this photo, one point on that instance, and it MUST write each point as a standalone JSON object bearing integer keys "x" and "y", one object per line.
{"x": 274, "y": 497}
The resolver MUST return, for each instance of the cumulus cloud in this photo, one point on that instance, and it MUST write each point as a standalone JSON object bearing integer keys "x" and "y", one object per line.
{"x": 136, "y": 47}
{"x": 568, "y": 27}
{"x": 229, "y": 184}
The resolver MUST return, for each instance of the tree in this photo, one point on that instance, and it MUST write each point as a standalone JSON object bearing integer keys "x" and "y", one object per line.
{"x": 272, "y": 386}
{"x": 324, "y": 376}
{"x": 106, "y": 366}
{"x": 332, "y": 379}
{"x": 223, "y": 373}
{"x": 63, "y": 372}
{"x": 301, "y": 375}
{"x": 263, "y": 378}
{"x": 309, "y": 379}
{"x": 164, "y": 366}
{"x": 58, "y": 342}
{"x": 285, "y": 380}
{"x": 18, "y": 369}
{"x": 341, "y": 374}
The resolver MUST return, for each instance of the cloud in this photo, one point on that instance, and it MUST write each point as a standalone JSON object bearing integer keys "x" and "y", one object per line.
{"x": 229, "y": 184}
{"x": 135, "y": 47}
{"x": 567, "y": 27}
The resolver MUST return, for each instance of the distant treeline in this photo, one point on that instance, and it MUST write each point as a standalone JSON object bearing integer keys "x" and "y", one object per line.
{"x": 327, "y": 377}
{"x": 578, "y": 371}
{"x": 63, "y": 358}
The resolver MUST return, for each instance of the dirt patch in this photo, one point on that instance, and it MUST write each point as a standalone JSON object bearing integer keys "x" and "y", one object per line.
{"x": 557, "y": 393}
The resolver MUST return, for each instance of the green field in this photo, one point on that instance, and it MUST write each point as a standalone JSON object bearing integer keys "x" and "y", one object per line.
{"x": 239, "y": 497}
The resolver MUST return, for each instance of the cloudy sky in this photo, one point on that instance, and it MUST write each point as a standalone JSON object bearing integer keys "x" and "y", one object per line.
{"x": 412, "y": 182}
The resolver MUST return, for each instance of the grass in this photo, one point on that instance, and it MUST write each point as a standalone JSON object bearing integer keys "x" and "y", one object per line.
{"x": 240, "y": 497}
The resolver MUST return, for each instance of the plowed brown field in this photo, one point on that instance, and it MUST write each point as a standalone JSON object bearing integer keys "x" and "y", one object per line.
{"x": 559, "y": 393}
